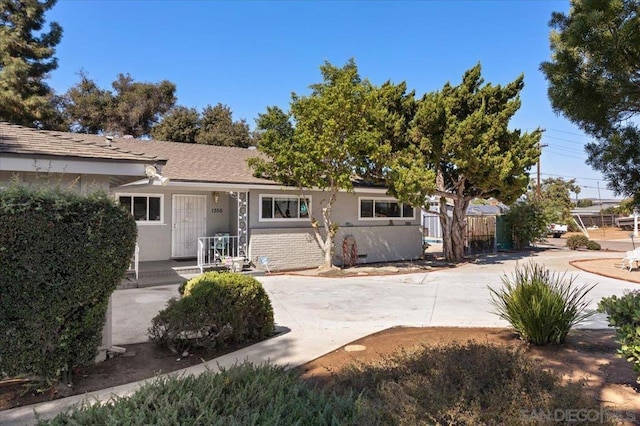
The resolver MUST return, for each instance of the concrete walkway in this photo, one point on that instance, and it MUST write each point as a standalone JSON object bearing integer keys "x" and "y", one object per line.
{"x": 324, "y": 314}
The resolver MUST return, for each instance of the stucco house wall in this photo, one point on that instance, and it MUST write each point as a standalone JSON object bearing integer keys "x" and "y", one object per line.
{"x": 155, "y": 239}
{"x": 291, "y": 244}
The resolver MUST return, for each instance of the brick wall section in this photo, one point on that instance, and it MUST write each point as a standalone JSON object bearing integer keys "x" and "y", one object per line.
{"x": 296, "y": 248}
{"x": 292, "y": 248}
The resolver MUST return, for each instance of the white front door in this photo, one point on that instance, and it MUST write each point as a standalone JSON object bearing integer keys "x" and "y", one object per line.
{"x": 189, "y": 222}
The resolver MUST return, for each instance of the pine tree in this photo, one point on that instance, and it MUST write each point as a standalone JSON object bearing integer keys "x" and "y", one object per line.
{"x": 26, "y": 58}
{"x": 594, "y": 81}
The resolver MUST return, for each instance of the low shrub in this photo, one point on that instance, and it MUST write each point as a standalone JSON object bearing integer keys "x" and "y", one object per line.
{"x": 574, "y": 242}
{"x": 464, "y": 384}
{"x": 541, "y": 306}
{"x": 216, "y": 308}
{"x": 240, "y": 395}
{"x": 592, "y": 245}
{"x": 624, "y": 314}
{"x": 461, "y": 384}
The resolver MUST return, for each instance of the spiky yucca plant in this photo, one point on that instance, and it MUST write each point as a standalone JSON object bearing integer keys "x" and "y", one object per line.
{"x": 541, "y": 306}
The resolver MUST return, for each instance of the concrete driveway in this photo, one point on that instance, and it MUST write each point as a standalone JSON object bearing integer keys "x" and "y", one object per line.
{"x": 323, "y": 314}
{"x": 356, "y": 306}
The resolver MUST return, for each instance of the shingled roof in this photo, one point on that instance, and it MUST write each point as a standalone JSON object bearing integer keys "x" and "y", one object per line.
{"x": 198, "y": 163}
{"x": 22, "y": 141}
{"x": 184, "y": 161}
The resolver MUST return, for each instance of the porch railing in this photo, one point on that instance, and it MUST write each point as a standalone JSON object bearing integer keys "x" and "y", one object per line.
{"x": 219, "y": 251}
{"x": 135, "y": 261}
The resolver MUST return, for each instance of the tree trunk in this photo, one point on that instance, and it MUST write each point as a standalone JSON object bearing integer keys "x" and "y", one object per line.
{"x": 330, "y": 230}
{"x": 328, "y": 256}
{"x": 453, "y": 229}
{"x": 458, "y": 228}
{"x": 445, "y": 224}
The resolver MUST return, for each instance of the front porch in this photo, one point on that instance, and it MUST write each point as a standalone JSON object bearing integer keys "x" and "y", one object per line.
{"x": 176, "y": 271}
{"x": 222, "y": 250}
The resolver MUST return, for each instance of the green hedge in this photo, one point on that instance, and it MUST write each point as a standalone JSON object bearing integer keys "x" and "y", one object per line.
{"x": 61, "y": 256}
{"x": 216, "y": 308}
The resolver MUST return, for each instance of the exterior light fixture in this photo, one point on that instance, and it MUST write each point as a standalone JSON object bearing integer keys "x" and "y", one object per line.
{"x": 152, "y": 173}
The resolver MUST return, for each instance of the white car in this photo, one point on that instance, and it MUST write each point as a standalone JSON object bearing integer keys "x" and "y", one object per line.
{"x": 557, "y": 230}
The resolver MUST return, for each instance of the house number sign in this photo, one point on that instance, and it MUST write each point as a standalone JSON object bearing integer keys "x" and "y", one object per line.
{"x": 216, "y": 210}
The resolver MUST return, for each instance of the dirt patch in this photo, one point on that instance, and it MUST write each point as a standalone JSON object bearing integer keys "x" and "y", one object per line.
{"x": 608, "y": 268}
{"x": 140, "y": 361}
{"x": 603, "y": 234}
{"x": 429, "y": 263}
{"x": 588, "y": 356}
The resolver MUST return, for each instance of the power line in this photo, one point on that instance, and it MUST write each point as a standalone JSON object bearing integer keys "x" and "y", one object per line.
{"x": 565, "y": 155}
{"x": 565, "y": 140}
{"x": 564, "y": 148}
{"x": 571, "y": 177}
{"x": 564, "y": 131}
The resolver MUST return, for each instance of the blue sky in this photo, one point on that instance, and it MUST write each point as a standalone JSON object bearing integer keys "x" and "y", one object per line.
{"x": 250, "y": 55}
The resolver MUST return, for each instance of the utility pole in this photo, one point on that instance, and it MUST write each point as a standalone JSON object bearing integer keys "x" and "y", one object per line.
{"x": 538, "y": 190}
{"x": 601, "y": 215}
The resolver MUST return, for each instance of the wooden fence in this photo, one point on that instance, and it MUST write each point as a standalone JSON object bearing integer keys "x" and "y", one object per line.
{"x": 481, "y": 234}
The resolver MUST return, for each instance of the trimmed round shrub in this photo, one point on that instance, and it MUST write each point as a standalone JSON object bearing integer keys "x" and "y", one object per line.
{"x": 216, "y": 308}
{"x": 592, "y": 245}
{"x": 541, "y": 306}
{"x": 574, "y": 242}
{"x": 62, "y": 255}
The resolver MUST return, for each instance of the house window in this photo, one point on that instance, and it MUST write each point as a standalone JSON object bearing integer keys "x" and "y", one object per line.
{"x": 384, "y": 208}
{"x": 280, "y": 207}
{"x": 144, "y": 208}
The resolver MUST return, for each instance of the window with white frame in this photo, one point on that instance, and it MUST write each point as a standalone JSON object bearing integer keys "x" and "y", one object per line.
{"x": 283, "y": 207}
{"x": 384, "y": 208}
{"x": 144, "y": 208}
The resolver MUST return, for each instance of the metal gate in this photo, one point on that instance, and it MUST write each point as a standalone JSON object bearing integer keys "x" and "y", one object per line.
{"x": 188, "y": 224}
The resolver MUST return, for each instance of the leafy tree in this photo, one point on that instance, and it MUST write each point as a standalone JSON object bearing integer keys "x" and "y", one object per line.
{"x": 138, "y": 106}
{"x": 87, "y": 107}
{"x": 594, "y": 80}
{"x": 131, "y": 109}
{"x": 218, "y": 128}
{"x": 180, "y": 124}
{"x": 584, "y": 203}
{"x": 27, "y": 52}
{"x": 215, "y": 126}
{"x": 459, "y": 148}
{"x": 556, "y": 198}
{"x": 319, "y": 144}
{"x": 625, "y": 208}
{"x": 527, "y": 221}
